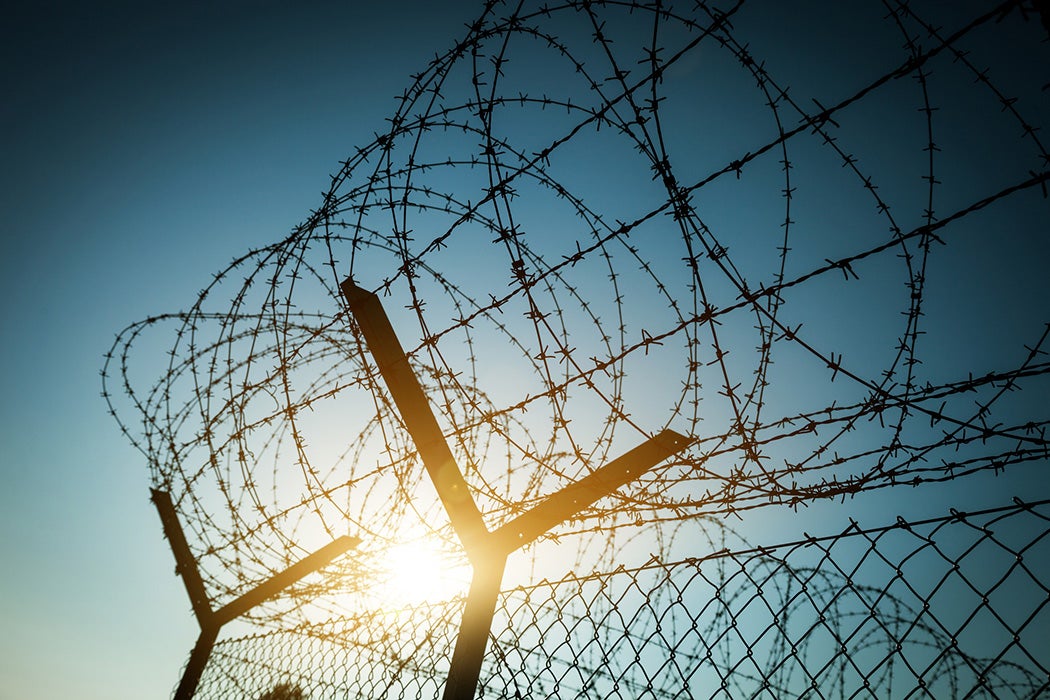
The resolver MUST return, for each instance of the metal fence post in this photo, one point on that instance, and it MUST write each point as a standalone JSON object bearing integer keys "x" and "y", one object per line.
{"x": 487, "y": 551}
{"x": 211, "y": 621}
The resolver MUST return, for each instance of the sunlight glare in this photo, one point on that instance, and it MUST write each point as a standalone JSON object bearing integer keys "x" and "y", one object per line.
{"x": 420, "y": 572}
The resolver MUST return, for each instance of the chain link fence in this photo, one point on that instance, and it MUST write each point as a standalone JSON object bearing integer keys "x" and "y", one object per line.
{"x": 957, "y": 606}
{"x": 613, "y": 273}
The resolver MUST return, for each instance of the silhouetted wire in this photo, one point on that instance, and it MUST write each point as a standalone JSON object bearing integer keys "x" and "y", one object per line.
{"x": 558, "y": 254}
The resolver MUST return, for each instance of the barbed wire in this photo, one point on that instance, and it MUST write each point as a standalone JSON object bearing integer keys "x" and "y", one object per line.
{"x": 590, "y": 222}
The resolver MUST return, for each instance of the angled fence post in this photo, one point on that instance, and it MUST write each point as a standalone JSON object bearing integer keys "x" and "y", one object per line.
{"x": 487, "y": 551}
{"x": 212, "y": 621}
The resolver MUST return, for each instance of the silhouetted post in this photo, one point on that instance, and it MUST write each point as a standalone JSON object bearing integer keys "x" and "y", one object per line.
{"x": 191, "y": 676}
{"x": 212, "y": 621}
{"x": 469, "y": 653}
{"x": 415, "y": 411}
{"x": 487, "y": 551}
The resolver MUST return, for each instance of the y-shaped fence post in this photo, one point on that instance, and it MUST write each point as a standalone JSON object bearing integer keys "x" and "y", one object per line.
{"x": 555, "y": 509}
{"x": 212, "y": 621}
{"x": 488, "y": 551}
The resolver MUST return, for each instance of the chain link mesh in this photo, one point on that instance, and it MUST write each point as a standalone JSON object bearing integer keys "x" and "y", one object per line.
{"x": 957, "y": 606}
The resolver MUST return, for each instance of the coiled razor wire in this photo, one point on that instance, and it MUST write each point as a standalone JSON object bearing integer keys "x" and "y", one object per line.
{"x": 590, "y": 221}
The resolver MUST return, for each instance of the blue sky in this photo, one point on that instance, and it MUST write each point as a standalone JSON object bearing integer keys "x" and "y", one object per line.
{"x": 144, "y": 149}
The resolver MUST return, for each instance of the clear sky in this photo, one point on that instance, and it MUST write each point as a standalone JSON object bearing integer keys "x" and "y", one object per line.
{"x": 144, "y": 148}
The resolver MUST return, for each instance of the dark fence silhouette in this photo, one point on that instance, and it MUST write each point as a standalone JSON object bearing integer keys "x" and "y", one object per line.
{"x": 614, "y": 275}
{"x": 957, "y": 606}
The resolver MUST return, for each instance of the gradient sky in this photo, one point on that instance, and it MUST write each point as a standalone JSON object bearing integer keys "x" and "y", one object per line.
{"x": 144, "y": 149}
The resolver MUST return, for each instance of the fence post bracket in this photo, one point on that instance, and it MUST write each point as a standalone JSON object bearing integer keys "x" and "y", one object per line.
{"x": 211, "y": 621}
{"x": 487, "y": 551}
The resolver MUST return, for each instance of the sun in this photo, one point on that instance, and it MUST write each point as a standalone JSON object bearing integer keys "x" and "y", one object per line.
{"x": 421, "y": 571}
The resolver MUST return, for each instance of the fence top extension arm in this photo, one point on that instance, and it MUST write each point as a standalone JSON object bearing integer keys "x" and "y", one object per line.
{"x": 212, "y": 620}
{"x": 417, "y": 415}
{"x": 488, "y": 551}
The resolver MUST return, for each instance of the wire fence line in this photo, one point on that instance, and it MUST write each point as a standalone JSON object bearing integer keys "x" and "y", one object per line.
{"x": 957, "y": 606}
{"x": 589, "y": 230}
